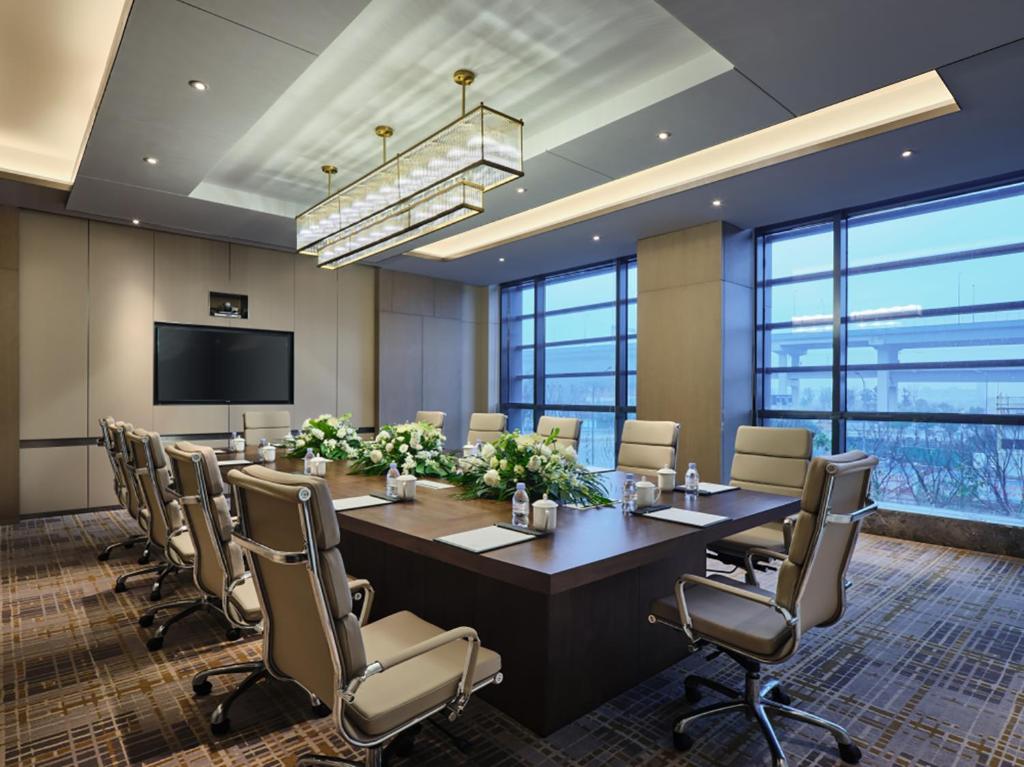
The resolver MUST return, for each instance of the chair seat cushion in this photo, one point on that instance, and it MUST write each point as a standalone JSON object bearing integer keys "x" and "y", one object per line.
{"x": 769, "y": 536}
{"x": 732, "y": 620}
{"x": 410, "y": 689}
{"x": 181, "y": 545}
{"x": 243, "y": 598}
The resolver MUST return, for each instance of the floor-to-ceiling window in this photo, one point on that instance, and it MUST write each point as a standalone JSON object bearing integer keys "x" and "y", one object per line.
{"x": 568, "y": 348}
{"x": 901, "y": 332}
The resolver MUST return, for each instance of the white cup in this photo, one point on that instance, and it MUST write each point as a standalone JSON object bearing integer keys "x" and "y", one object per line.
{"x": 647, "y": 493}
{"x": 666, "y": 479}
{"x": 468, "y": 450}
{"x": 544, "y": 514}
{"x": 238, "y": 444}
{"x": 318, "y": 466}
{"x": 268, "y": 453}
{"x": 407, "y": 487}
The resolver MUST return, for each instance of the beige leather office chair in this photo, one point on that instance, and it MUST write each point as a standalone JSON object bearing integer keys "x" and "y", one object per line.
{"x": 381, "y": 679}
{"x": 271, "y": 425}
{"x": 568, "y": 429}
{"x": 486, "y": 427}
{"x": 756, "y": 627}
{"x": 771, "y": 460}
{"x": 108, "y": 439}
{"x": 433, "y": 417}
{"x": 647, "y": 446}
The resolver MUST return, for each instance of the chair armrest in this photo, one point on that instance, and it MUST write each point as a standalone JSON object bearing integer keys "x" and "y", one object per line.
{"x": 854, "y": 516}
{"x": 226, "y": 602}
{"x": 361, "y": 587}
{"x": 699, "y": 580}
{"x": 756, "y": 553}
{"x": 787, "y": 531}
{"x": 280, "y": 557}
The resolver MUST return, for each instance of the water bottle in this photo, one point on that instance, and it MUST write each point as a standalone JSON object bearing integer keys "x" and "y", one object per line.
{"x": 307, "y": 462}
{"x": 629, "y": 494}
{"x": 479, "y": 449}
{"x": 521, "y": 506}
{"x": 392, "y": 481}
{"x": 691, "y": 482}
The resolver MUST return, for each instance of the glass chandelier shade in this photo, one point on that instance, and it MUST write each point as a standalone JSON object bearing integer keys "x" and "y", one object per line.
{"x": 435, "y": 183}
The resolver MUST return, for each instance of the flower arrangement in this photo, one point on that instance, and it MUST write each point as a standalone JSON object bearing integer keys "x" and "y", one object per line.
{"x": 330, "y": 436}
{"x": 417, "y": 448}
{"x": 539, "y": 462}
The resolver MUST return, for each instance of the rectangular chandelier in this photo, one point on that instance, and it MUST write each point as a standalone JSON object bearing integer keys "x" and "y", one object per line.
{"x": 437, "y": 182}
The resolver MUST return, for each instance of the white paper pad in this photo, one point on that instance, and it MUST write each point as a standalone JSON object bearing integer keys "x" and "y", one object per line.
{"x": 358, "y": 502}
{"x": 597, "y": 469}
{"x": 432, "y": 484}
{"x": 485, "y": 539}
{"x": 710, "y": 488}
{"x": 584, "y": 507}
{"x": 235, "y": 462}
{"x": 687, "y": 517}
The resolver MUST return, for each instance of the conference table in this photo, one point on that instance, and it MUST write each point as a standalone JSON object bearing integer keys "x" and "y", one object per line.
{"x": 567, "y": 612}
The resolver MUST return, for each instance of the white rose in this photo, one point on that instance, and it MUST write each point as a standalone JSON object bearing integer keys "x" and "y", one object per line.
{"x": 409, "y": 463}
{"x": 384, "y": 435}
{"x": 545, "y": 451}
{"x": 488, "y": 450}
{"x": 305, "y": 424}
{"x": 534, "y": 464}
{"x": 390, "y": 446}
{"x": 492, "y": 478}
{"x": 494, "y": 463}
{"x": 570, "y": 452}
{"x": 503, "y": 464}
{"x": 424, "y": 455}
{"x": 403, "y": 448}
{"x": 518, "y": 470}
{"x": 376, "y": 456}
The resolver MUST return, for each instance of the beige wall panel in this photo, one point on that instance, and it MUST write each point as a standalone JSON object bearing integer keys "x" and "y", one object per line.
{"x": 444, "y": 367}
{"x": 101, "y": 478}
{"x": 120, "y": 325}
{"x": 190, "y": 419}
{"x": 267, "y": 277}
{"x": 448, "y": 299}
{"x": 187, "y": 269}
{"x": 316, "y": 339}
{"x": 385, "y": 282}
{"x": 235, "y": 419}
{"x": 681, "y": 258}
{"x": 412, "y": 294}
{"x": 679, "y": 368}
{"x": 401, "y": 367}
{"x": 357, "y": 344}
{"x": 9, "y": 380}
{"x": 39, "y": 468}
{"x": 53, "y": 326}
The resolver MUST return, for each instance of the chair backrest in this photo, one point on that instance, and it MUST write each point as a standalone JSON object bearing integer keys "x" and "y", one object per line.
{"x": 148, "y": 463}
{"x": 271, "y": 425}
{"x": 568, "y": 429}
{"x": 433, "y": 417}
{"x": 812, "y": 580}
{"x": 108, "y": 437}
{"x": 647, "y": 446}
{"x": 485, "y": 427}
{"x": 310, "y": 634}
{"x": 771, "y": 459}
{"x": 218, "y": 560}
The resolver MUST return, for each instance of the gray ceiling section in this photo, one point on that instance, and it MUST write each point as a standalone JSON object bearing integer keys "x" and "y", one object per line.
{"x": 812, "y": 53}
{"x": 981, "y": 141}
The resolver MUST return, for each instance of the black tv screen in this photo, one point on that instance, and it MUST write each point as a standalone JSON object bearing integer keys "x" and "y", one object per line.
{"x": 197, "y": 364}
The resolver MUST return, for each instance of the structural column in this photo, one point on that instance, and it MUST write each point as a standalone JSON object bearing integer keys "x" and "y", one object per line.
{"x": 695, "y": 339}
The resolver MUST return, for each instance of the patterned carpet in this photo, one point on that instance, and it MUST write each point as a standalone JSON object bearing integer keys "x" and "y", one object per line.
{"x": 926, "y": 669}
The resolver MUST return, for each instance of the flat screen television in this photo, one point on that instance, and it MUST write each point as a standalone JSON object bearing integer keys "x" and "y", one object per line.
{"x": 199, "y": 364}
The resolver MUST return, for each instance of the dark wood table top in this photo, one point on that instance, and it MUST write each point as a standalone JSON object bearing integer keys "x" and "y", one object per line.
{"x": 587, "y": 545}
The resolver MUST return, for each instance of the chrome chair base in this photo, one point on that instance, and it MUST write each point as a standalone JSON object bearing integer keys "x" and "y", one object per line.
{"x": 757, "y": 699}
{"x": 126, "y": 544}
{"x": 187, "y": 607}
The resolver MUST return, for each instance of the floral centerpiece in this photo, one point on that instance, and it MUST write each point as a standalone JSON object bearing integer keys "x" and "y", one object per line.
{"x": 540, "y": 462}
{"x": 417, "y": 448}
{"x": 330, "y": 436}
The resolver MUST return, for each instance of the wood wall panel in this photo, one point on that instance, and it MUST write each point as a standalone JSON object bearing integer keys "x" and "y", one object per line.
{"x": 187, "y": 269}
{"x": 53, "y": 326}
{"x": 54, "y": 479}
{"x": 267, "y": 277}
{"x": 120, "y": 325}
{"x": 357, "y": 344}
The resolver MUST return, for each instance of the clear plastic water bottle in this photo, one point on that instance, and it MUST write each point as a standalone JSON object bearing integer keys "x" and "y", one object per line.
{"x": 392, "y": 481}
{"x": 629, "y": 494}
{"x": 307, "y": 462}
{"x": 691, "y": 482}
{"x": 479, "y": 447}
{"x": 520, "y": 506}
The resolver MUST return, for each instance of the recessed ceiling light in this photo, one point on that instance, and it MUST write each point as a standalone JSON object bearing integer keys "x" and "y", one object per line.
{"x": 597, "y": 237}
{"x": 906, "y": 153}
{"x": 717, "y": 203}
{"x": 520, "y": 189}
{"x": 664, "y": 135}
{"x": 136, "y": 221}
{"x": 198, "y": 85}
{"x": 501, "y": 259}
{"x": 150, "y": 160}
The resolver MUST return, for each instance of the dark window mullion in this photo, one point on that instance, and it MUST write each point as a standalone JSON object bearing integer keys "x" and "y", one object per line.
{"x": 539, "y": 351}
{"x": 839, "y": 308}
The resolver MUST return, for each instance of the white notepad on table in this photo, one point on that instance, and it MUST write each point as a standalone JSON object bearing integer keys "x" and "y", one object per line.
{"x": 687, "y": 517}
{"x": 710, "y": 488}
{"x": 485, "y": 539}
{"x": 234, "y": 462}
{"x": 433, "y": 484}
{"x": 358, "y": 502}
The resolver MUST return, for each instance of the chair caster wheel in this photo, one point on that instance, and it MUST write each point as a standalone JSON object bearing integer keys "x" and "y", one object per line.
{"x": 849, "y": 753}
{"x": 780, "y": 696}
{"x": 202, "y": 689}
{"x": 155, "y": 643}
{"x": 682, "y": 741}
{"x": 143, "y": 560}
{"x": 146, "y": 620}
{"x": 155, "y": 595}
{"x": 120, "y": 588}
{"x": 220, "y": 727}
{"x": 103, "y": 556}
{"x": 234, "y": 633}
{"x": 692, "y": 693}
{"x": 321, "y": 710}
